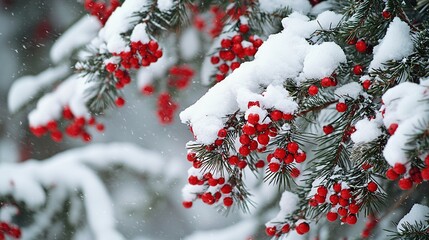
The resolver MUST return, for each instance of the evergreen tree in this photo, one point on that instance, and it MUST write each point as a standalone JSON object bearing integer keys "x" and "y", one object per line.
{"x": 322, "y": 107}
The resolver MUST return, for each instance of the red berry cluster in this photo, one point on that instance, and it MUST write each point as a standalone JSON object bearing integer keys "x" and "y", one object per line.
{"x": 180, "y": 76}
{"x": 324, "y": 82}
{"x": 100, "y": 9}
{"x": 77, "y": 127}
{"x": 408, "y": 178}
{"x": 234, "y": 51}
{"x": 369, "y": 226}
{"x": 7, "y": 229}
{"x": 341, "y": 200}
{"x": 300, "y": 227}
{"x": 166, "y": 108}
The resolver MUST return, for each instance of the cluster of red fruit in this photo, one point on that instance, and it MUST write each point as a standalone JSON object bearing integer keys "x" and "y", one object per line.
{"x": 301, "y": 228}
{"x": 410, "y": 176}
{"x": 166, "y": 108}
{"x": 234, "y": 51}
{"x": 100, "y": 9}
{"x": 180, "y": 76}
{"x": 341, "y": 200}
{"x": 219, "y": 190}
{"x": 217, "y": 20}
{"x": 76, "y": 128}
{"x": 324, "y": 83}
{"x": 6, "y": 229}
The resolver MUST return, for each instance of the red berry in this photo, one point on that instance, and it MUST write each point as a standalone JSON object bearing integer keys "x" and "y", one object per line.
{"x": 228, "y": 201}
{"x": 405, "y": 183}
{"x": 425, "y": 173}
{"x": 270, "y": 231}
{"x": 386, "y": 14}
{"x": 358, "y": 69}
{"x": 86, "y": 137}
{"x": 279, "y": 153}
{"x": 337, "y": 187}
{"x": 233, "y": 160}
{"x": 328, "y": 129}
{"x": 322, "y": 190}
{"x": 391, "y": 174}
{"x": 326, "y": 82}
{"x": 392, "y": 128}
{"x": 353, "y": 208}
{"x": 153, "y": 46}
{"x": 292, "y": 147}
{"x": 313, "y": 90}
{"x": 249, "y": 130}
{"x": 223, "y": 68}
{"x": 372, "y": 186}
{"x": 331, "y": 216}
{"x": 361, "y": 46}
{"x": 399, "y": 168}
{"x": 342, "y": 211}
{"x": 334, "y": 199}
{"x": 260, "y": 164}
{"x": 366, "y": 84}
{"x": 343, "y": 202}
{"x": 341, "y": 107}
{"x": 226, "y": 43}
{"x": 294, "y": 172}
{"x": 427, "y": 160}
{"x": 286, "y": 228}
{"x": 242, "y": 164}
{"x": 289, "y": 159}
{"x": 312, "y": 202}
{"x": 263, "y": 139}
{"x": 300, "y": 157}
{"x": 148, "y": 90}
{"x": 351, "y": 219}
{"x": 235, "y": 65}
{"x": 287, "y": 116}
{"x": 253, "y": 118}
{"x": 119, "y": 102}
{"x": 111, "y": 67}
{"x": 303, "y": 228}
{"x": 193, "y": 180}
{"x": 320, "y": 198}
{"x": 57, "y": 136}
{"x": 191, "y": 156}
{"x": 274, "y": 167}
{"x": 345, "y": 193}
{"x": 187, "y": 204}
{"x": 222, "y": 133}
{"x": 276, "y": 115}
{"x": 237, "y": 38}
{"x": 214, "y": 60}
{"x": 244, "y": 28}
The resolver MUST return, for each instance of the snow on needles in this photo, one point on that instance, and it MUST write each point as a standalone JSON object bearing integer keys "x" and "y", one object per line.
{"x": 405, "y": 105}
{"x": 270, "y": 6}
{"x": 280, "y": 57}
{"x": 288, "y": 204}
{"x": 417, "y": 215}
{"x": 70, "y": 171}
{"x": 396, "y": 45}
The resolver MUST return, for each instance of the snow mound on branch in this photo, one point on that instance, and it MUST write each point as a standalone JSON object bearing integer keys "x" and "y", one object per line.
{"x": 70, "y": 172}
{"x": 405, "y": 105}
{"x": 396, "y": 45}
{"x": 270, "y": 6}
{"x": 122, "y": 20}
{"x": 81, "y": 33}
{"x": 367, "y": 130}
{"x": 165, "y": 5}
{"x": 288, "y": 204}
{"x": 322, "y": 60}
{"x": 70, "y": 93}
{"x": 418, "y": 214}
{"x": 26, "y": 89}
{"x": 280, "y": 57}
{"x": 139, "y": 34}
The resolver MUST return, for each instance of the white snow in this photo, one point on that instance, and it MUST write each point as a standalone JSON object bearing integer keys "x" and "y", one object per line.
{"x": 189, "y": 43}
{"x": 280, "y": 57}
{"x": 165, "y": 5}
{"x": 418, "y": 214}
{"x": 81, "y": 33}
{"x": 351, "y": 90}
{"x": 72, "y": 172}
{"x": 396, "y": 45}
{"x": 322, "y": 60}
{"x": 26, "y": 88}
{"x": 366, "y": 130}
{"x": 405, "y": 105}
{"x": 242, "y": 229}
{"x": 139, "y": 34}
{"x": 270, "y": 6}
{"x": 288, "y": 204}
